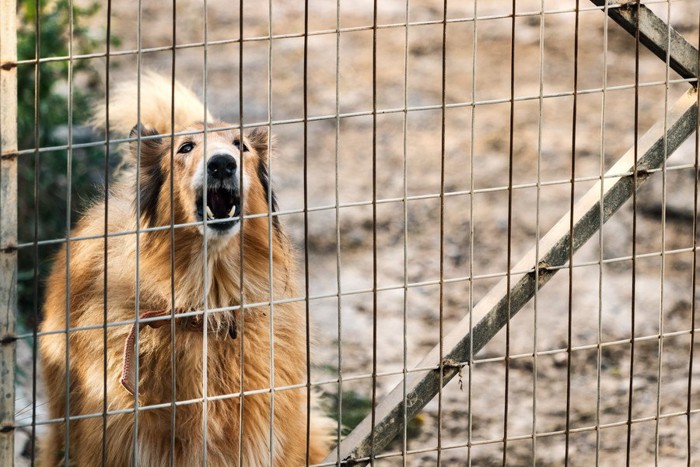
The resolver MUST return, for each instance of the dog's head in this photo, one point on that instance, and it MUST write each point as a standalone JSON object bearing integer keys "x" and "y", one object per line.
{"x": 215, "y": 175}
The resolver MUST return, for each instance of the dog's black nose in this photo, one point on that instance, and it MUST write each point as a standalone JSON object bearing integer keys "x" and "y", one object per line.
{"x": 221, "y": 166}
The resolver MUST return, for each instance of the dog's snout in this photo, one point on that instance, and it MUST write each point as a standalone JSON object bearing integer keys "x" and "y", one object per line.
{"x": 222, "y": 166}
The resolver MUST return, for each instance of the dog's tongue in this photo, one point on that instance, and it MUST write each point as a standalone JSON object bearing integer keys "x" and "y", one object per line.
{"x": 219, "y": 202}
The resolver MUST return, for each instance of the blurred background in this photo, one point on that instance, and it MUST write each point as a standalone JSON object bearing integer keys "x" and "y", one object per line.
{"x": 56, "y": 185}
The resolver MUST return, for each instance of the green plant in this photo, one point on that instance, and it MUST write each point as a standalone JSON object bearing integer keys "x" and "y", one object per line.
{"x": 355, "y": 407}
{"x": 53, "y": 21}
{"x": 46, "y": 109}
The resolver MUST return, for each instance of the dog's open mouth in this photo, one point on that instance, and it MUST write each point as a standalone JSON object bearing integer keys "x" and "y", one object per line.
{"x": 223, "y": 208}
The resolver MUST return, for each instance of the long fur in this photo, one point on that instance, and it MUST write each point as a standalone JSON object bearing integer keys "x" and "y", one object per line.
{"x": 232, "y": 437}
{"x": 153, "y": 104}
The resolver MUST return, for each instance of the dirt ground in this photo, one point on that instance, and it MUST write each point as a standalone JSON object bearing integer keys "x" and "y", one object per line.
{"x": 475, "y": 228}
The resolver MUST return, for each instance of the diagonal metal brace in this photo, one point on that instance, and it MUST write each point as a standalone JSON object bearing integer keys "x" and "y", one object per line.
{"x": 493, "y": 312}
{"x": 654, "y": 35}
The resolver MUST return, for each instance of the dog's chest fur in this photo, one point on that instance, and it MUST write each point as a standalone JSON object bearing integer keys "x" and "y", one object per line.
{"x": 252, "y": 350}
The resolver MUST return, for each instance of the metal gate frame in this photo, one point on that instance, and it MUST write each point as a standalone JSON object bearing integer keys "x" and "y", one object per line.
{"x": 553, "y": 251}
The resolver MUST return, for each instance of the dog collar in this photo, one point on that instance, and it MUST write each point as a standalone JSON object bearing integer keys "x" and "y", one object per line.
{"x": 188, "y": 323}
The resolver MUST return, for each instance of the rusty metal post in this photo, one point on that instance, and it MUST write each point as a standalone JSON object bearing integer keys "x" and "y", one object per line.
{"x": 8, "y": 225}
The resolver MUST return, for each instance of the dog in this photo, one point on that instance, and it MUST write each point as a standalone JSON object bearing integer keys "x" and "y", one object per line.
{"x": 185, "y": 284}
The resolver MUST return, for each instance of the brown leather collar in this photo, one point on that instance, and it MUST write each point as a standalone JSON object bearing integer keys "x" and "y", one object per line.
{"x": 188, "y": 323}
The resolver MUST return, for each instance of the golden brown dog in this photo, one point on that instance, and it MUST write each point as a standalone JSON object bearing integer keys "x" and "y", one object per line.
{"x": 214, "y": 182}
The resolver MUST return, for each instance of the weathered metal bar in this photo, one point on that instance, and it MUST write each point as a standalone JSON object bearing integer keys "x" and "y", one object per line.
{"x": 8, "y": 226}
{"x": 491, "y": 313}
{"x": 653, "y": 34}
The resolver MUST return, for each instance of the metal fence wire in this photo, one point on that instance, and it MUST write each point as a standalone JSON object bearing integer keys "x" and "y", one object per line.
{"x": 366, "y": 285}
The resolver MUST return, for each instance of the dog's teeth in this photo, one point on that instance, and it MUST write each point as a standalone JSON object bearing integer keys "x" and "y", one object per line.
{"x": 210, "y": 215}
{"x": 232, "y": 211}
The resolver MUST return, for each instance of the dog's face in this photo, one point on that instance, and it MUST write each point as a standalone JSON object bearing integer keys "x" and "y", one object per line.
{"x": 216, "y": 177}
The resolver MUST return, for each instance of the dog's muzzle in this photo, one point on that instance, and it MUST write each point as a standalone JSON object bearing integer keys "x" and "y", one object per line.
{"x": 223, "y": 193}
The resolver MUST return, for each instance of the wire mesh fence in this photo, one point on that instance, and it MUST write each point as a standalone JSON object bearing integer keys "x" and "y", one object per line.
{"x": 377, "y": 282}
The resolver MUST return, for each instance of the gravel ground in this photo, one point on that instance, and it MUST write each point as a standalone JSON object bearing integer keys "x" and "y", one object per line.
{"x": 476, "y": 141}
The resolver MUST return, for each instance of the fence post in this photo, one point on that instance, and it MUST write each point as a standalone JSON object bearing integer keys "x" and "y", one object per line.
{"x": 8, "y": 225}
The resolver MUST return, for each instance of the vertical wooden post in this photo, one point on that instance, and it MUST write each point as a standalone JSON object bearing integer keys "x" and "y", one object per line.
{"x": 8, "y": 225}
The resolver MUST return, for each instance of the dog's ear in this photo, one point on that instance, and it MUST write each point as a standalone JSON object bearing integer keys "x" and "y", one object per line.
{"x": 263, "y": 144}
{"x": 152, "y": 176}
{"x": 261, "y": 141}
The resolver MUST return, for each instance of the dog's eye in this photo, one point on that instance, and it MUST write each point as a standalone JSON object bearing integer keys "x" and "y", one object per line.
{"x": 185, "y": 148}
{"x": 237, "y": 143}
